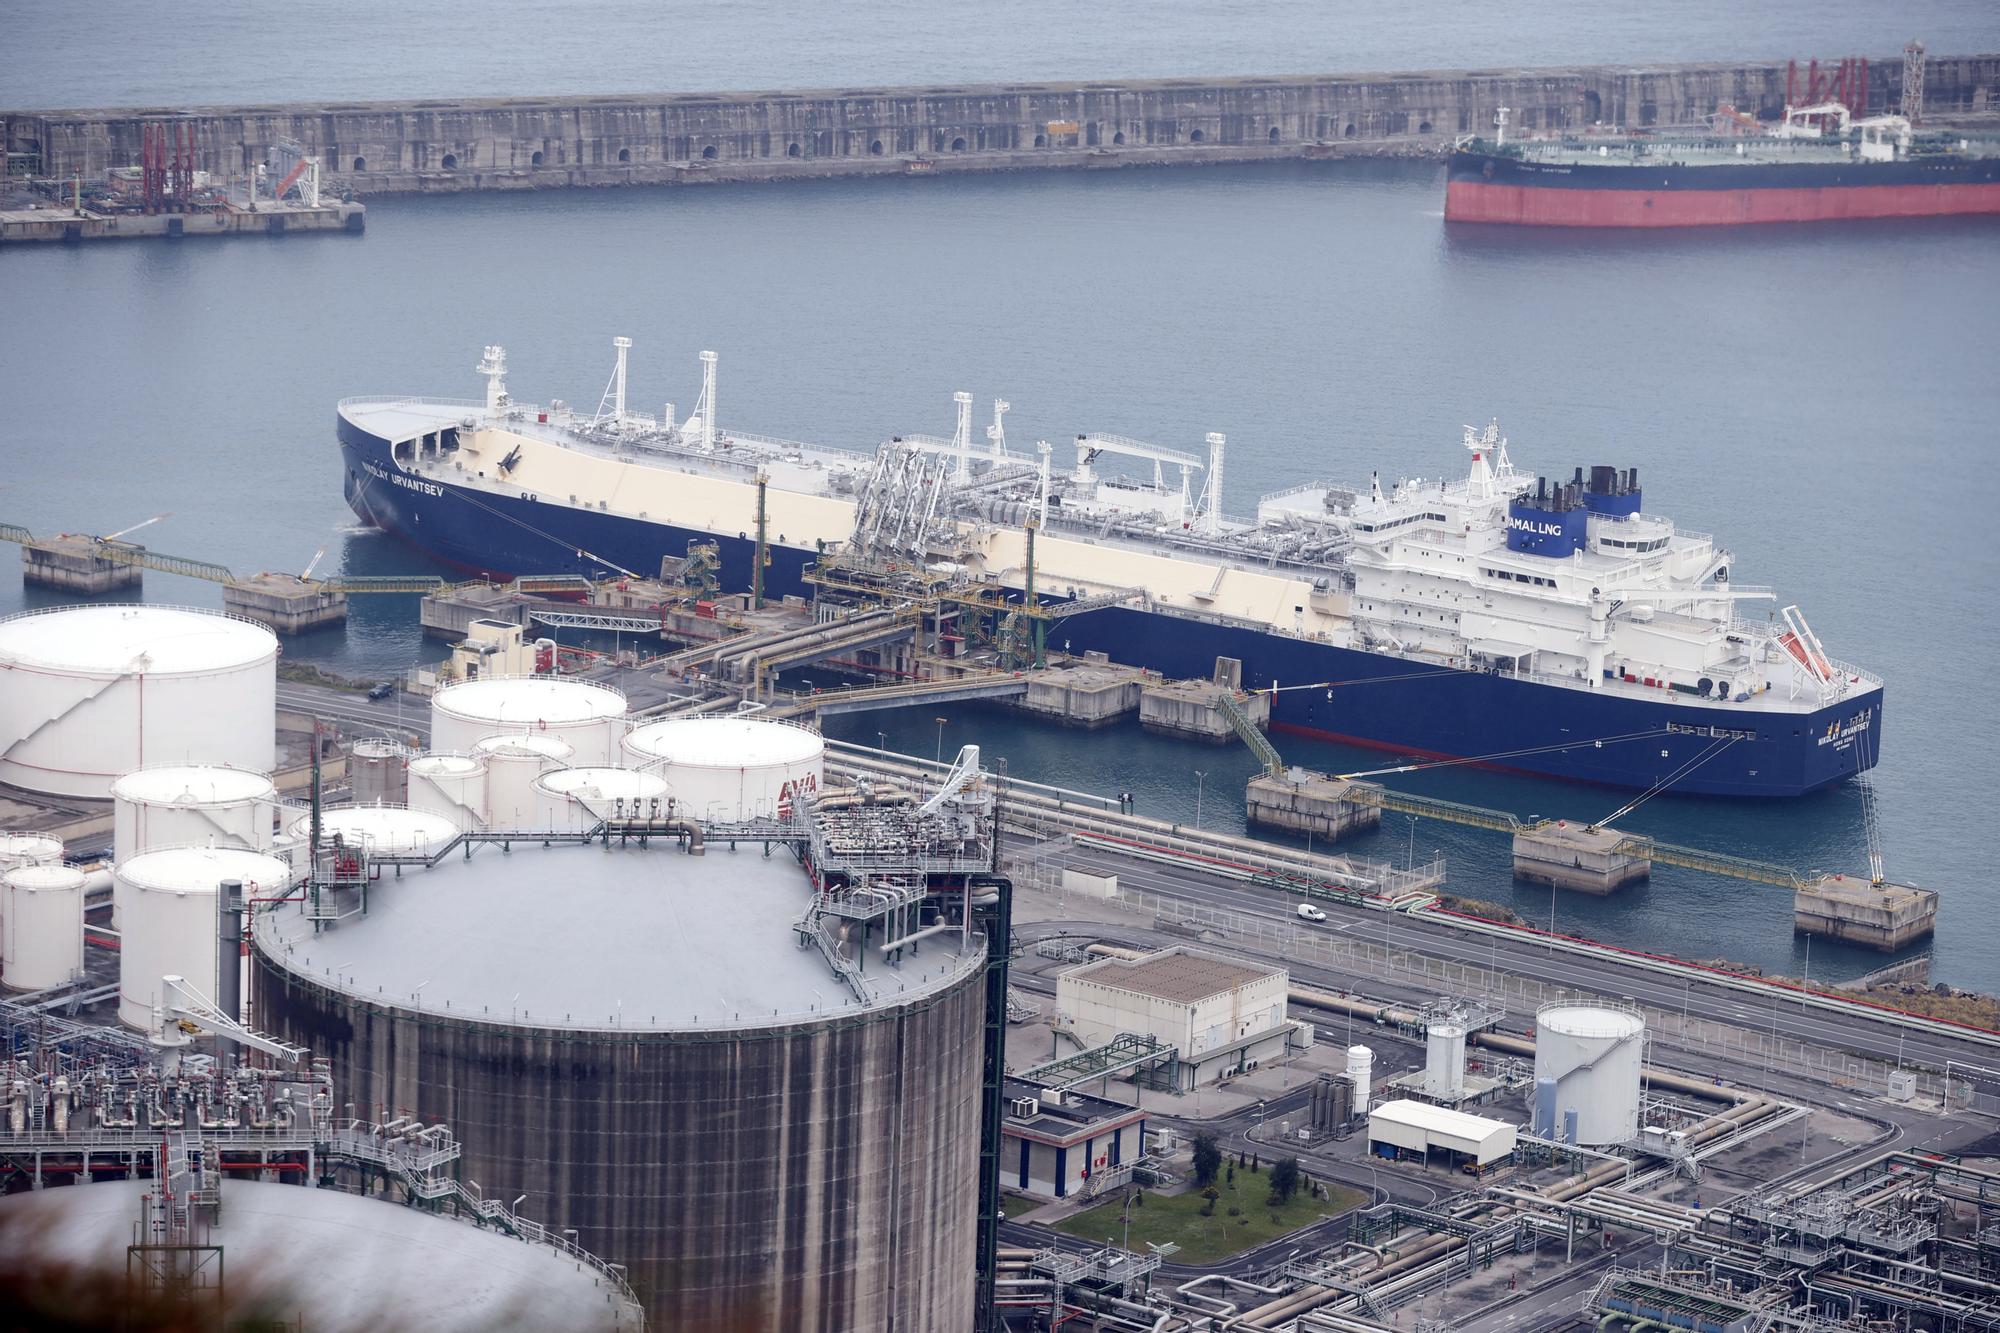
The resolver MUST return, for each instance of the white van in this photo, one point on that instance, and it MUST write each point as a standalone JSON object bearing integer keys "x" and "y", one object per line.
{"x": 1307, "y": 912}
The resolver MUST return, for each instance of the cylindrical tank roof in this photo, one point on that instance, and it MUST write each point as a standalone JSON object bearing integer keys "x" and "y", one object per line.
{"x": 527, "y": 701}
{"x": 445, "y": 765}
{"x": 373, "y": 1265}
{"x": 532, "y": 941}
{"x": 536, "y": 746}
{"x": 1595, "y": 1021}
{"x": 193, "y": 784}
{"x": 386, "y": 830}
{"x": 725, "y": 742}
{"x": 117, "y": 640}
{"x": 609, "y": 783}
{"x": 28, "y": 849}
{"x": 41, "y": 878}
{"x": 201, "y": 869}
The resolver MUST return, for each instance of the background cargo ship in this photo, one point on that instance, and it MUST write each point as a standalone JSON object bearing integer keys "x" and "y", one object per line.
{"x": 1818, "y": 165}
{"x": 1551, "y": 629}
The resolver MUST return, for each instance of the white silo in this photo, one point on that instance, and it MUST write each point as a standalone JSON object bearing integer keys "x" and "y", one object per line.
{"x": 88, "y": 693}
{"x": 512, "y": 765}
{"x": 29, "y": 849}
{"x": 1444, "y": 1062}
{"x": 42, "y": 920}
{"x": 381, "y": 830}
{"x": 1361, "y": 1073}
{"x": 1595, "y": 1055}
{"x": 580, "y": 798}
{"x": 452, "y": 785}
{"x": 169, "y": 917}
{"x": 587, "y": 715}
{"x": 191, "y": 805}
{"x": 724, "y": 769}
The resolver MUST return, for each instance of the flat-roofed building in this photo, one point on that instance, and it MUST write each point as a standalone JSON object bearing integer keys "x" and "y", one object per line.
{"x": 1221, "y": 1015}
{"x": 1424, "y": 1132}
{"x": 1055, "y": 1143}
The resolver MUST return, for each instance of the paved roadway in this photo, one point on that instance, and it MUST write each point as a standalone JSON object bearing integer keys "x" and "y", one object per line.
{"x": 1856, "y": 1031}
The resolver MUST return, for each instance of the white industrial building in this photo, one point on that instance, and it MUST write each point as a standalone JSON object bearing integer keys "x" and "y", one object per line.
{"x": 1221, "y": 1016}
{"x": 1056, "y": 1142}
{"x": 1424, "y": 1132}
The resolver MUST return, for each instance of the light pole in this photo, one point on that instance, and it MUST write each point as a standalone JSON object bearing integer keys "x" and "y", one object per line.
{"x": 940, "y": 738}
{"x": 1552, "y": 918}
{"x": 882, "y": 740}
{"x": 1200, "y": 778}
{"x": 1410, "y": 859}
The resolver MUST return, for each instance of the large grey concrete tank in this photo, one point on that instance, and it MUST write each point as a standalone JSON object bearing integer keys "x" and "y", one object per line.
{"x": 635, "y": 1040}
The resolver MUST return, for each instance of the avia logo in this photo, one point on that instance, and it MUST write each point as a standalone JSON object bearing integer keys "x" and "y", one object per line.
{"x": 1534, "y": 528}
{"x": 792, "y": 792}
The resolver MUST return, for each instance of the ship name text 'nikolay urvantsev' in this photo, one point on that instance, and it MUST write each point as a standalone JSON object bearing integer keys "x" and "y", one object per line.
{"x": 1551, "y": 627}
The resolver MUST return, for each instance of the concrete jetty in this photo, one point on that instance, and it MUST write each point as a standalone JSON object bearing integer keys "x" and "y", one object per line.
{"x": 1852, "y": 908}
{"x": 515, "y": 143}
{"x": 1580, "y": 857}
{"x": 1301, "y": 801}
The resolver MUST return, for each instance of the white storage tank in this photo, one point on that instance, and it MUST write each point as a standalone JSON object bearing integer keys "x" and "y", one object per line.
{"x": 1361, "y": 1073}
{"x": 512, "y": 765}
{"x": 580, "y": 798}
{"x": 88, "y": 693}
{"x": 587, "y": 715}
{"x": 452, "y": 785}
{"x": 28, "y": 849}
{"x": 191, "y": 805}
{"x": 169, "y": 917}
{"x": 1444, "y": 1060}
{"x": 1595, "y": 1055}
{"x": 42, "y": 921}
{"x": 381, "y": 830}
{"x": 724, "y": 769}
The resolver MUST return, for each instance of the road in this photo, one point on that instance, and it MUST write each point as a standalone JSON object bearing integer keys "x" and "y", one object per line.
{"x": 1857, "y": 1031}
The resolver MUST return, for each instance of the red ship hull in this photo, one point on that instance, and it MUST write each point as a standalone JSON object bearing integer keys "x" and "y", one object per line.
{"x": 1535, "y": 206}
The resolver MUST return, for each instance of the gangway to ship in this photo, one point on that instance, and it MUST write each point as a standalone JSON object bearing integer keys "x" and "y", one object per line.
{"x": 903, "y": 694}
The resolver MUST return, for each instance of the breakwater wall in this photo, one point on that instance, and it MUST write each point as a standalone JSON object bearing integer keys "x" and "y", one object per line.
{"x": 529, "y": 143}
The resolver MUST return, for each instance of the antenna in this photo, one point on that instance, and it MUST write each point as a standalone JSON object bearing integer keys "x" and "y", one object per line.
{"x": 997, "y": 432}
{"x": 494, "y": 367}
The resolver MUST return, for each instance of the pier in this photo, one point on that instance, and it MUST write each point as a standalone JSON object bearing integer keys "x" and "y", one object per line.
{"x": 447, "y": 145}
{"x": 68, "y": 226}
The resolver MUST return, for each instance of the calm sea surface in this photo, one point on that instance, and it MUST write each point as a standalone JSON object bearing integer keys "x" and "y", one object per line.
{"x": 1822, "y": 398}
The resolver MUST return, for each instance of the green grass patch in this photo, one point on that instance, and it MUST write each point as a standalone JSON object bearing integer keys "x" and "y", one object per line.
{"x": 1177, "y": 1218}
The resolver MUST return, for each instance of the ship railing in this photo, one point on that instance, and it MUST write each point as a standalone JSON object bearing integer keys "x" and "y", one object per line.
{"x": 476, "y": 403}
{"x": 780, "y": 445}
{"x": 1303, "y": 488}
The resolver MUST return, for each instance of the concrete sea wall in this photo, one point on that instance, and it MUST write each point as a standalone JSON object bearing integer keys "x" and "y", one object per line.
{"x": 530, "y": 143}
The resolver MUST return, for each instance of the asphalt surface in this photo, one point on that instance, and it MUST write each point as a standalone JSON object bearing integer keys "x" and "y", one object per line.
{"x": 1855, "y": 1031}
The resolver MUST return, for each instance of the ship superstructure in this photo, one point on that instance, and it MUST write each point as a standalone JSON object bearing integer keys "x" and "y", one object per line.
{"x": 1551, "y": 626}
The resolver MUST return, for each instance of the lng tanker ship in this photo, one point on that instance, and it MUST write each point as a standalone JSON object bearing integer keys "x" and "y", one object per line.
{"x": 1554, "y": 627}
{"x": 1815, "y": 166}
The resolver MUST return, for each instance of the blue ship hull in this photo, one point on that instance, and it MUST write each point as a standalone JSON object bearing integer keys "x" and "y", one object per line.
{"x": 1362, "y": 698}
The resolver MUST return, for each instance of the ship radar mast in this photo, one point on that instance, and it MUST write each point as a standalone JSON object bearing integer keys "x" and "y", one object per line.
{"x": 1490, "y": 465}
{"x": 494, "y": 367}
